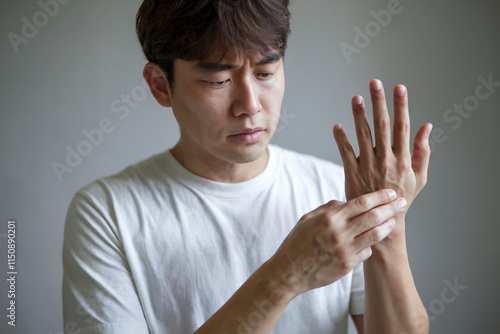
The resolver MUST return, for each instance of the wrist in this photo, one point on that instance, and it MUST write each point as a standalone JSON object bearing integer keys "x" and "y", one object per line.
{"x": 276, "y": 284}
{"x": 394, "y": 245}
{"x": 398, "y": 233}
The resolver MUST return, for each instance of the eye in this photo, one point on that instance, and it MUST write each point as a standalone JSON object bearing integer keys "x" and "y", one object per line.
{"x": 265, "y": 75}
{"x": 218, "y": 83}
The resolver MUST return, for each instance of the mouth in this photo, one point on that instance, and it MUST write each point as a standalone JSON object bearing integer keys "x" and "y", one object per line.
{"x": 248, "y": 136}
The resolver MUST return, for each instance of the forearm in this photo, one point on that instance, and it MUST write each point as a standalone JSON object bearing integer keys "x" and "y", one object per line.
{"x": 254, "y": 308}
{"x": 324, "y": 246}
{"x": 392, "y": 303}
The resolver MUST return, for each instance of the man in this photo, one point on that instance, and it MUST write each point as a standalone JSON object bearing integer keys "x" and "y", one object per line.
{"x": 226, "y": 233}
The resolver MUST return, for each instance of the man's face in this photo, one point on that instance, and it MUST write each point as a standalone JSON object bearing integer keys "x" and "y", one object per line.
{"x": 229, "y": 110}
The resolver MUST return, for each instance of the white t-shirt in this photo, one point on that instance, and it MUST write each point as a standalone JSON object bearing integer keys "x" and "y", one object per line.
{"x": 158, "y": 249}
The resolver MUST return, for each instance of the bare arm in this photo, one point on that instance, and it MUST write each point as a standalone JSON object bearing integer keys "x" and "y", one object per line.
{"x": 255, "y": 308}
{"x": 324, "y": 246}
{"x": 392, "y": 303}
{"x": 359, "y": 321}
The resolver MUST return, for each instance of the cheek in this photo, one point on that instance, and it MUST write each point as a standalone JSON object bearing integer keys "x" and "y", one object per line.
{"x": 274, "y": 102}
{"x": 202, "y": 116}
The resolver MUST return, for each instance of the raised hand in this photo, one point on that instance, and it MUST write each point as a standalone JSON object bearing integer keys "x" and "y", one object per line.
{"x": 385, "y": 165}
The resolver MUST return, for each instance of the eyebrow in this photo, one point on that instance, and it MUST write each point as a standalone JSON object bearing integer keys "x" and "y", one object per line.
{"x": 218, "y": 67}
{"x": 272, "y": 58}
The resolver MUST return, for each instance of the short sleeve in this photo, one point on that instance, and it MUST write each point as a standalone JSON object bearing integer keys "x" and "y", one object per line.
{"x": 357, "y": 302}
{"x": 99, "y": 294}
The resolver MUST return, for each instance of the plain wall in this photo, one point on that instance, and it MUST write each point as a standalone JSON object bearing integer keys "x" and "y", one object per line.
{"x": 72, "y": 74}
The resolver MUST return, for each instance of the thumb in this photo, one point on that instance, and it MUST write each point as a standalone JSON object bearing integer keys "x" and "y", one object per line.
{"x": 421, "y": 153}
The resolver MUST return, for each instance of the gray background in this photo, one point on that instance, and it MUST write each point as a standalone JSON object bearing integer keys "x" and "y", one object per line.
{"x": 66, "y": 78}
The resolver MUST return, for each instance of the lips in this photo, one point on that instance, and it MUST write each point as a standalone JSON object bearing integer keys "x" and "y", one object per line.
{"x": 248, "y": 136}
{"x": 249, "y": 131}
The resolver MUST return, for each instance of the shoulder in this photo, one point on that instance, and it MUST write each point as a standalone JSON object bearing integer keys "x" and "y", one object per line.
{"x": 107, "y": 205}
{"x": 134, "y": 181}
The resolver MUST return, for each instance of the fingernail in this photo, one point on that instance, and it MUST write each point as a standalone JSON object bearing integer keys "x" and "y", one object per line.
{"x": 401, "y": 204}
{"x": 400, "y": 90}
{"x": 377, "y": 84}
{"x": 357, "y": 99}
{"x": 428, "y": 132}
{"x": 392, "y": 194}
{"x": 337, "y": 127}
{"x": 392, "y": 221}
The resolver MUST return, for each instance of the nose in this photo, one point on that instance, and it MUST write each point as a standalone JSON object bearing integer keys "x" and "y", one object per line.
{"x": 246, "y": 99}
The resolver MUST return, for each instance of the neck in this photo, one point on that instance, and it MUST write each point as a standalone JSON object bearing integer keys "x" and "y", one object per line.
{"x": 212, "y": 168}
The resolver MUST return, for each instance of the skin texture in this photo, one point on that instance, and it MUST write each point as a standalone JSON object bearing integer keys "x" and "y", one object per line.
{"x": 213, "y": 106}
{"x": 214, "y": 103}
{"x": 324, "y": 246}
{"x": 385, "y": 165}
{"x": 393, "y": 167}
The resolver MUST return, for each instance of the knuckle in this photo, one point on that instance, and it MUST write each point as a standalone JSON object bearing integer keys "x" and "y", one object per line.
{"x": 345, "y": 148}
{"x": 343, "y": 261}
{"x": 365, "y": 133}
{"x": 374, "y": 217}
{"x": 327, "y": 221}
{"x": 345, "y": 266}
{"x": 384, "y": 196}
{"x": 423, "y": 152}
{"x": 333, "y": 204}
{"x": 426, "y": 152}
{"x": 305, "y": 217}
{"x": 376, "y": 235}
{"x": 367, "y": 252}
{"x": 362, "y": 202}
{"x": 400, "y": 103}
{"x": 383, "y": 124}
{"x": 378, "y": 96}
{"x": 403, "y": 166}
{"x": 386, "y": 170}
{"x": 403, "y": 127}
{"x": 345, "y": 210}
{"x": 371, "y": 173}
{"x": 335, "y": 238}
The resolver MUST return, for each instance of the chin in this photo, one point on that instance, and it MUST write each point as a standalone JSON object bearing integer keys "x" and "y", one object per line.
{"x": 248, "y": 153}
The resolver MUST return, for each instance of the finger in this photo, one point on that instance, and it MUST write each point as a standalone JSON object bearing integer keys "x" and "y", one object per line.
{"x": 381, "y": 120}
{"x": 327, "y": 207}
{"x": 373, "y": 236}
{"x": 376, "y": 216}
{"x": 365, "y": 203}
{"x": 421, "y": 153}
{"x": 363, "y": 131}
{"x": 321, "y": 209}
{"x": 401, "y": 134}
{"x": 346, "y": 152}
{"x": 363, "y": 255}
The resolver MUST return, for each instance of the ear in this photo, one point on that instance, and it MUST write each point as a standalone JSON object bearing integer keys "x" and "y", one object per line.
{"x": 158, "y": 84}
